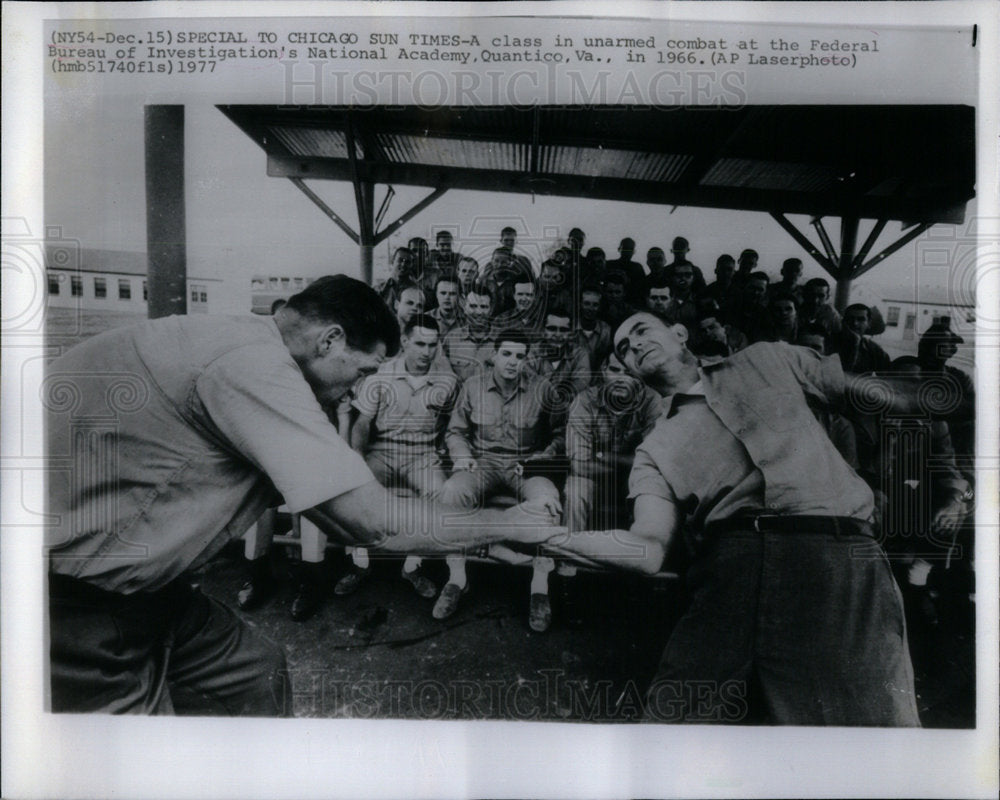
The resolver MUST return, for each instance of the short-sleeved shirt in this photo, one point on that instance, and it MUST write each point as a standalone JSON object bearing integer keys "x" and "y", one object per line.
{"x": 172, "y": 437}
{"x": 445, "y": 326}
{"x": 571, "y": 373}
{"x": 602, "y": 425}
{"x": 597, "y": 341}
{"x": 468, "y": 350}
{"x": 407, "y": 409}
{"x": 486, "y": 422}
{"x": 750, "y": 442}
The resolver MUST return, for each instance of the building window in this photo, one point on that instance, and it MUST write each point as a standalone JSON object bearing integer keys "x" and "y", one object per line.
{"x": 909, "y": 328}
{"x": 124, "y": 289}
{"x": 100, "y": 287}
{"x": 203, "y": 297}
{"x": 54, "y": 283}
{"x": 893, "y": 319}
{"x": 76, "y": 286}
{"x": 286, "y": 284}
{"x": 145, "y": 291}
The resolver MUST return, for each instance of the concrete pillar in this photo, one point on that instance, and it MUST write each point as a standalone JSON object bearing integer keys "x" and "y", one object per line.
{"x": 166, "y": 239}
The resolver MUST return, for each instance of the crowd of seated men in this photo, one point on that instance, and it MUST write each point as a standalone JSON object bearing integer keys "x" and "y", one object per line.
{"x": 507, "y": 387}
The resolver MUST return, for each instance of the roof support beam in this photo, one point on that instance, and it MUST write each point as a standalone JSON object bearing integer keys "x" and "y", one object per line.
{"x": 848, "y": 245}
{"x": 803, "y": 240}
{"x": 386, "y": 232}
{"x": 635, "y": 191}
{"x": 322, "y": 206}
{"x": 876, "y": 231}
{"x": 824, "y": 237}
{"x": 536, "y": 125}
{"x": 892, "y": 248}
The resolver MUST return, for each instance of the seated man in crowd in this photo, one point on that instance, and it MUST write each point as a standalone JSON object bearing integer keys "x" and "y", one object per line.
{"x": 656, "y": 261}
{"x": 683, "y": 307}
{"x": 679, "y": 250}
{"x": 592, "y": 332}
{"x": 469, "y": 347}
{"x": 423, "y": 273}
{"x": 502, "y": 273}
{"x": 594, "y": 265}
{"x": 444, "y": 258}
{"x": 714, "y": 337}
{"x": 659, "y": 296}
{"x": 508, "y": 243}
{"x": 783, "y": 321}
{"x": 750, "y": 313}
{"x": 858, "y": 353}
{"x": 448, "y": 313}
{"x": 606, "y": 423}
{"x": 616, "y": 307}
{"x": 468, "y": 274}
{"x": 791, "y": 273}
{"x": 528, "y": 311}
{"x": 558, "y": 357}
{"x": 402, "y": 268}
{"x": 816, "y": 308}
{"x": 409, "y": 304}
{"x": 500, "y": 421}
{"x": 786, "y": 623}
{"x": 402, "y": 411}
{"x": 553, "y": 285}
{"x": 633, "y": 270}
{"x": 722, "y": 289}
{"x": 746, "y": 265}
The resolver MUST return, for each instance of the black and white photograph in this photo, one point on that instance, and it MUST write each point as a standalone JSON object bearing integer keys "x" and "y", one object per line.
{"x": 418, "y": 396}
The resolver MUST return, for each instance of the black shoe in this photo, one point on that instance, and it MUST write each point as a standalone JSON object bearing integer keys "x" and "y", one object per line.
{"x": 306, "y": 603}
{"x": 539, "y": 613}
{"x": 254, "y": 593}
{"x": 352, "y": 581}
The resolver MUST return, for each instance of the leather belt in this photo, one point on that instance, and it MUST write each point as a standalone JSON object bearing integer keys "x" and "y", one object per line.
{"x": 803, "y": 523}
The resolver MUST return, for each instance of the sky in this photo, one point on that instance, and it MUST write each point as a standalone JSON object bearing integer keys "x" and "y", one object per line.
{"x": 241, "y": 222}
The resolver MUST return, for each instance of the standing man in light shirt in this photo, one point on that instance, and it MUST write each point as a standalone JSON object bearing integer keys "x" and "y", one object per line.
{"x": 794, "y": 616}
{"x": 208, "y": 421}
{"x": 469, "y": 347}
{"x": 448, "y": 313}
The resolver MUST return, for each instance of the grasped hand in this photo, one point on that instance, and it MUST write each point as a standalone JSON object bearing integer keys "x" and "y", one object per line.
{"x": 505, "y": 555}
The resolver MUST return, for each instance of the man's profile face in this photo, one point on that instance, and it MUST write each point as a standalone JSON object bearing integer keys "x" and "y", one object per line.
{"x": 590, "y": 305}
{"x": 524, "y": 295}
{"x": 659, "y": 300}
{"x": 477, "y": 307}
{"x": 783, "y": 312}
{"x": 683, "y": 278}
{"x": 656, "y": 259}
{"x": 338, "y": 367}
{"x": 447, "y": 296}
{"x": 645, "y": 344}
{"x": 856, "y": 320}
{"x": 724, "y": 271}
{"x": 508, "y": 360}
{"x": 419, "y": 348}
{"x": 556, "y": 332}
{"x": 410, "y": 303}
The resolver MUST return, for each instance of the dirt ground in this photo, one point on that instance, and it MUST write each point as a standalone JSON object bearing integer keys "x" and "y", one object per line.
{"x": 380, "y": 654}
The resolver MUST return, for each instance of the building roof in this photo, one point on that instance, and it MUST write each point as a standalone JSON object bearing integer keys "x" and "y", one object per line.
{"x": 910, "y": 163}
{"x": 73, "y": 258}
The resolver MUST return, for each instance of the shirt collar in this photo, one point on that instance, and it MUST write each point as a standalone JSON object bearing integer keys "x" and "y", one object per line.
{"x": 493, "y": 386}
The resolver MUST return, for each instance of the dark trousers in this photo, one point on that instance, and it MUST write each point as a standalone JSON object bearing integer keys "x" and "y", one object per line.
{"x": 170, "y": 651}
{"x": 788, "y": 628}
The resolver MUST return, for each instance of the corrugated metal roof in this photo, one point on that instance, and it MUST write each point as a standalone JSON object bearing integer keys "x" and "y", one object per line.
{"x": 770, "y": 175}
{"x": 466, "y": 153}
{"x": 313, "y": 142}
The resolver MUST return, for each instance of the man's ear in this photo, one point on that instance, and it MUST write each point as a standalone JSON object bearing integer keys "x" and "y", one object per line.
{"x": 680, "y": 331}
{"x": 329, "y": 337}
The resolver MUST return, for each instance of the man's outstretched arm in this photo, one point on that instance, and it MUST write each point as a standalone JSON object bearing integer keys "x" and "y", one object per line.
{"x": 641, "y": 548}
{"x": 374, "y": 517}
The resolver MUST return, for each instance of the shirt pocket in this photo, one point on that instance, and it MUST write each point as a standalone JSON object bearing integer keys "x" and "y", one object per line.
{"x": 488, "y": 424}
{"x": 779, "y": 410}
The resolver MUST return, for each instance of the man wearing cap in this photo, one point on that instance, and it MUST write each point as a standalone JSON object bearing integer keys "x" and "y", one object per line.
{"x": 167, "y": 440}
{"x": 794, "y": 615}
